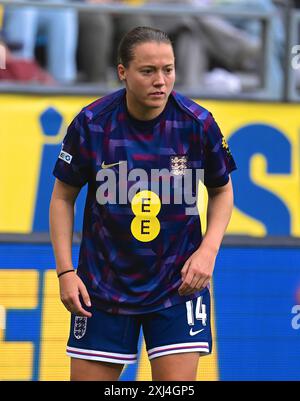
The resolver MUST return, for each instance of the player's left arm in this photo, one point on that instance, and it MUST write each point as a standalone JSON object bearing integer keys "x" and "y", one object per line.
{"x": 198, "y": 269}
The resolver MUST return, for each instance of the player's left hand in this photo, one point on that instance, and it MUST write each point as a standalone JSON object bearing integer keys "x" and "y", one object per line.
{"x": 197, "y": 271}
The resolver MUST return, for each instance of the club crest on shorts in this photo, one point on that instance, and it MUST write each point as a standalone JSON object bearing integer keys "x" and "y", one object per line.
{"x": 80, "y": 326}
{"x": 178, "y": 164}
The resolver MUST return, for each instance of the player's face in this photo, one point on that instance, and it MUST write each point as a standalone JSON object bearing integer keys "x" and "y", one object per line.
{"x": 149, "y": 79}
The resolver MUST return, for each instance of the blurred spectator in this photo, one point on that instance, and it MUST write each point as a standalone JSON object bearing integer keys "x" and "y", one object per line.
{"x": 97, "y": 33}
{"x": 12, "y": 69}
{"x": 231, "y": 45}
{"x": 108, "y": 28}
{"x": 95, "y": 43}
{"x": 205, "y": 40}
{"x": 253, "y": 29}
{"x": 23, "y": 25}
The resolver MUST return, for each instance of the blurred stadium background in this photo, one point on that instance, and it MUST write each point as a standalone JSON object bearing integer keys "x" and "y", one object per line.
{"x": 256, "y": 316}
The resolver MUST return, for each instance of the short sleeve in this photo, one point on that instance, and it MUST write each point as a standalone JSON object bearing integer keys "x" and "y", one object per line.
{"x": 73, "y": 163}
{"x": 219, "y": 162}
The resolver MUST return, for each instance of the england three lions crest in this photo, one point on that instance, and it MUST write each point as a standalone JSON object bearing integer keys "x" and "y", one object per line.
{"x": 80, "y": 326}
{"x": 178, "y": 164}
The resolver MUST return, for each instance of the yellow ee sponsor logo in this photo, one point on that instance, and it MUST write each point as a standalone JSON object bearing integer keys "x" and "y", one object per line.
{"x": 145, "y": 206}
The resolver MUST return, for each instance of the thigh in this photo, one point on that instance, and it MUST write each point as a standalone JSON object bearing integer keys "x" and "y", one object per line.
{"x": 178, "y": 334}
{"x": 85, "y": 370}
{"x": 99, "y": 346}
{"x": 165, "y": 368}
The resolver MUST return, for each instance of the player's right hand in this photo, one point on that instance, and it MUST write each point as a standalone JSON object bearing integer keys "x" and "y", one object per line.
{"x": 71, "y": 286}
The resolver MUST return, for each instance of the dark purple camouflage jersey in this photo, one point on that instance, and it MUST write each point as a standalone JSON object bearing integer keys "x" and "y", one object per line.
{"x": 140, "y": 224}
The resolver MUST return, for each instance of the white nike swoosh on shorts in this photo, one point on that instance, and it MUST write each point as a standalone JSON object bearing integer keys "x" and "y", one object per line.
{"x": 193, "y": 333}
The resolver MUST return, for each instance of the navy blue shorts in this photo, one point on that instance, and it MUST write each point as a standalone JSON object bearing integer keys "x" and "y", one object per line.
{"x": 114, "y": 338}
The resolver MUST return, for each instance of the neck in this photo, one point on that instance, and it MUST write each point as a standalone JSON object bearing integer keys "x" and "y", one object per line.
{"x": 143, "y": 113}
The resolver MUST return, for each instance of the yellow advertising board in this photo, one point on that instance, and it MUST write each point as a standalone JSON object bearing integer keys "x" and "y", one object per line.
{"x": 263, "y": 137}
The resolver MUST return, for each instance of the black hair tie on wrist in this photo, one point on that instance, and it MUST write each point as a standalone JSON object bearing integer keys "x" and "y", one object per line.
{"x": 67, "y": 271}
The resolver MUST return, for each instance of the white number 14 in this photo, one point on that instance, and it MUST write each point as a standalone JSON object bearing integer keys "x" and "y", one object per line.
{"x": 200, "y": 312}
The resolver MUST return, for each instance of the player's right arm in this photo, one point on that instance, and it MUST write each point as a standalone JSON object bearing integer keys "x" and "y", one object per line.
{"x": 61, "y": 232}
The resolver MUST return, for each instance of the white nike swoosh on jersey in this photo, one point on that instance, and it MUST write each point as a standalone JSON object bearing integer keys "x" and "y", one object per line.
{"x": 103, "y": 165}
{"x": 193, "y": 333}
